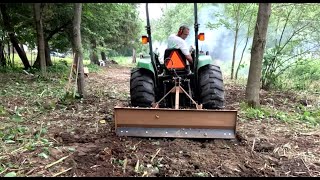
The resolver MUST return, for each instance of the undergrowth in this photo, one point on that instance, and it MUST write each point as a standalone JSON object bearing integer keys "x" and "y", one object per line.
{"x": 310, "y": 116}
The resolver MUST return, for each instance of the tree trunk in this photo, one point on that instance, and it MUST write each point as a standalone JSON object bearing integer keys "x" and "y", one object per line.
{"x": 235, "y": 40}
{"x": 3, "y": 61}
{"x": 47, "y": 52}
{"x": 9, "y": 50}
{"x": 47, "y": 56}
{"x": 103, "y": 56}
{"x": 234, "y": 52}
{"x": 21, "y": 46}
{"x": 13, "y": 52}
{"x": 40, "y": 38}
{"x": 78, "y": 47}
{"x": 93, "y": 56}
{"x": 9, "y": 28}
{"x": 134, "y": 56}
{"x": 258, "y": 46}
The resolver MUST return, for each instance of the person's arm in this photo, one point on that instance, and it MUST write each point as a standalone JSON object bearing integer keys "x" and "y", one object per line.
{"x": 185, "y": 50}
{"x": 189, "y": 58}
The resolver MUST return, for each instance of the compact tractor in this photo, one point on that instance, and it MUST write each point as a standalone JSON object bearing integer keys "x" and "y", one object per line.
{"x": 175, "y": 98}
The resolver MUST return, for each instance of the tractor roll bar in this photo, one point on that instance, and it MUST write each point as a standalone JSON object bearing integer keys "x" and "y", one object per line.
{"x": 196, "y": 28}
{"x": 150, "y": 42}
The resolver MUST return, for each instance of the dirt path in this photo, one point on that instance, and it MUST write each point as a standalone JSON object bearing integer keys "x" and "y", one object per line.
{"x": 84, "y": 138}
{"x": 265, "y": 148}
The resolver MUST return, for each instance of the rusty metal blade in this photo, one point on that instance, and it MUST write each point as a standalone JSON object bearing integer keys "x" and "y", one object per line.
{"x": 160, "y": 120}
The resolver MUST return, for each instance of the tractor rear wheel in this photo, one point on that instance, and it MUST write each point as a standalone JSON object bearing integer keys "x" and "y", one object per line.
{"x": 141, "y": 88}
{"x": 211, "y": 87}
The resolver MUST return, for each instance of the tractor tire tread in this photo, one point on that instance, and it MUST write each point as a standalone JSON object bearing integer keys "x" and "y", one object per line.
{"x": 211, "y": 87}
{"x": 141, "y": 88}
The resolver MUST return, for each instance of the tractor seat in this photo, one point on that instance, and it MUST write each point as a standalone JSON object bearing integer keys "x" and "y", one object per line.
{"x": 174, "y": 59}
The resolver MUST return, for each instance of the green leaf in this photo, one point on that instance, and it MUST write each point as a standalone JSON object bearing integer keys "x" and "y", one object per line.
{"x": 71, "y": 149}
{"x": 2, "y": 110}
{"x": 16, "y": 118}
{"x": 10, "y": 174}
{"x": 43, "y": 155}
{"x": 306, "y": 113}
{"x": 44, "y": 140}
{"x": 9, "y": 141}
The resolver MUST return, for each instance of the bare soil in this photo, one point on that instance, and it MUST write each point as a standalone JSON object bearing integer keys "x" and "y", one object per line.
{"x": 83, "y": 132}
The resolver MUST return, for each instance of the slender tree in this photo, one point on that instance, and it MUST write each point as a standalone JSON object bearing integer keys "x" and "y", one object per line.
{"x": 78, "y": 48}
{"x": 237, "y": 28}
{"x": 245, "y": 46}
{"x": 40, "y": 37}
{"x": 10, "y": 29}
{"x": 258, "y": 46}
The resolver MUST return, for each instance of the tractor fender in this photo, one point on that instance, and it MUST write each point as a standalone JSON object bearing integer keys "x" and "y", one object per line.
{"x": 146, "y": 64}
{"x": 204, "y": 60}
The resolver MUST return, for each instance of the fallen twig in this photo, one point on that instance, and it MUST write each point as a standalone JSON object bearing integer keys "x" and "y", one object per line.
{"x": 56, "y": 162}
{"x": 125, "y": 165}
{"x": 155, "y": 155}
{"x": 136, "y": 168}
{"x": 19, "y": 149}
{"x": 3, "y": 171}
{"x": 136, "y": 145}
{"x": 29, "y": 172}
{"x": 59, "y": 173}
{"x": 254, "y": 142}
{"x": 144, "y": 173}
{"x": 42, "y": 93}
{"x": 306, "y": 166}
{"x": 27, "y": 73}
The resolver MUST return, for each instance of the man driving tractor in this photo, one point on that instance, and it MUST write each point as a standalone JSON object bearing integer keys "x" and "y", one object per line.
{"x": 177, "y": 41}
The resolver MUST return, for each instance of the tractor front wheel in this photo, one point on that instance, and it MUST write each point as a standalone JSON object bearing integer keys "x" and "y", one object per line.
{"x": 141, "y": 88}
{"x": 211, "y": 87}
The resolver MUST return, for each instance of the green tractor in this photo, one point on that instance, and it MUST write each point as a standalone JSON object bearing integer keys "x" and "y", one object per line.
{"x": 150, "y": 81}
{"x": 175, "y": 99}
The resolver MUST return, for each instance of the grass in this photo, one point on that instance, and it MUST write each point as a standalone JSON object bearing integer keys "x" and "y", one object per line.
{"x": 22, "y": 128}
{"x": 31, "y": 97}
{"x": 307, "y": 115}
{"x": 122, "y": 60}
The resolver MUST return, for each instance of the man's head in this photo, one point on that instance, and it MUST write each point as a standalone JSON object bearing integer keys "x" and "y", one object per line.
{"x": 183, "y": 32}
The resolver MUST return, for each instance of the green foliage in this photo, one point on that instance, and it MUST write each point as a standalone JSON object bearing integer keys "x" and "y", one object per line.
{"x": 293, "y": 35}
{"x": 20, "y": 128}
{"x": 254, "y": 113}
{"x": 113, "y": 25}
{"x": 173, "y": 17}
{"x": 123, "y": 60}
{"x": 10, "y": 174}
{"x": 59, "y": 67}
{"x": 93, "y": 68}
{"x": 235, "y": 16}
{"x": 303, "y": 76}
{"x": 9, "y": 69}
{"x": 276, "y": 64}
{"x": 308, "y": 116}
{"x": 21, "y": 17}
